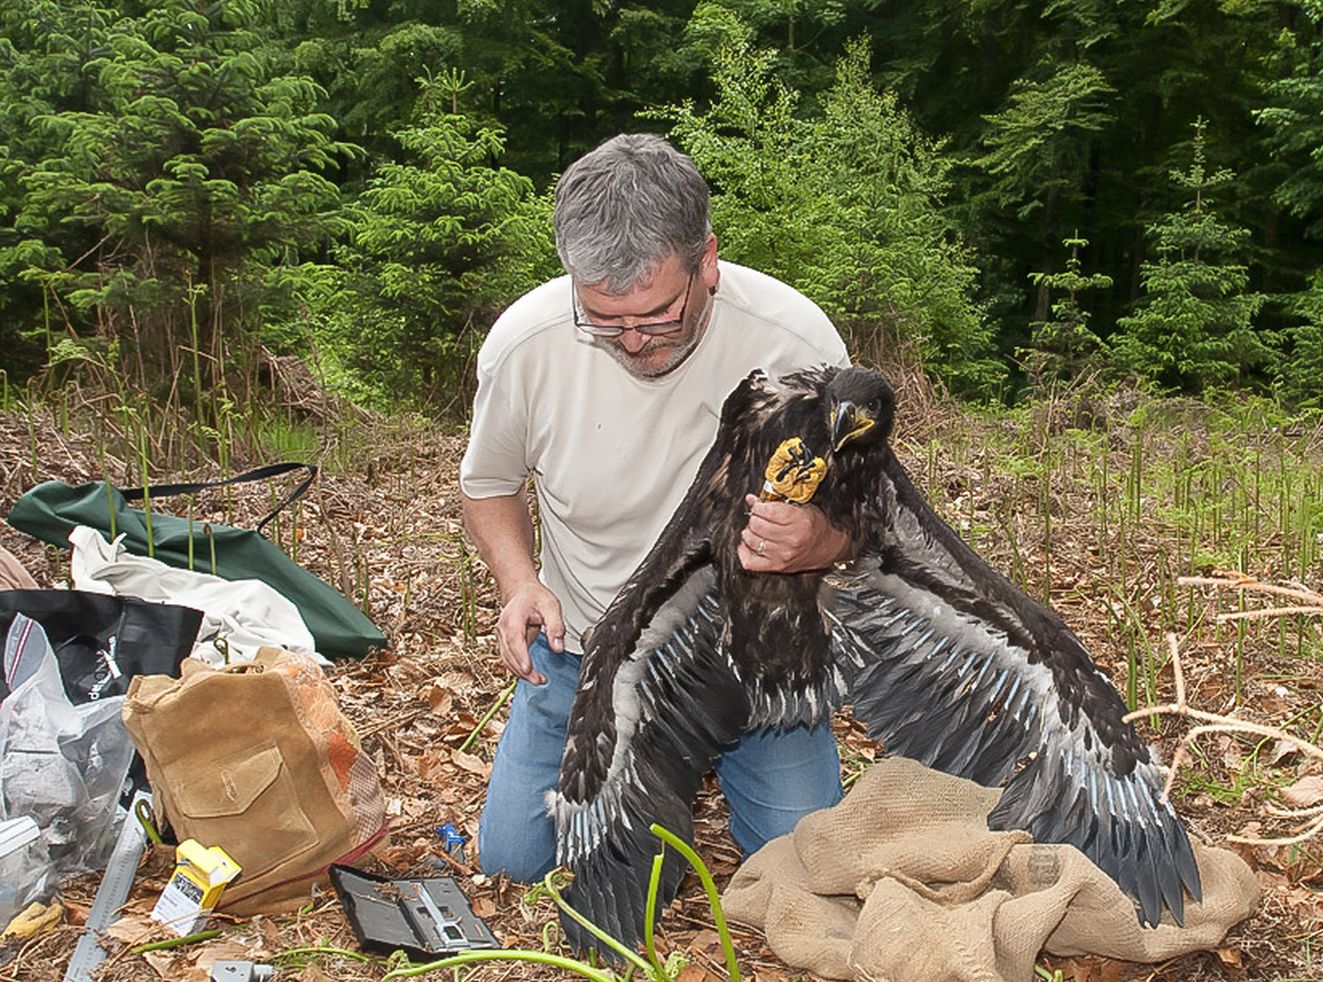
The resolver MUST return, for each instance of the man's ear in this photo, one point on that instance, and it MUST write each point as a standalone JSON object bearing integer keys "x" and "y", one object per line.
{"x": 708, "y": 269}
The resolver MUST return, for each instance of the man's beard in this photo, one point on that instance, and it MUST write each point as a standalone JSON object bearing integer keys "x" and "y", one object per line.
{"x": 661, "y": 355}
{"x": 652, "y": 362}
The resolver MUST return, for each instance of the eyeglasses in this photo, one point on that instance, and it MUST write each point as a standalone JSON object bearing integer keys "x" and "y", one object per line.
{"x": 653, "y": 329}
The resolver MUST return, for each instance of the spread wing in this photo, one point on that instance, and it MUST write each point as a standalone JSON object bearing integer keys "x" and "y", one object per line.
{"x": 641, "y": 739}
{"x": 955, "y": 667}
{"x": 658, "y": 701}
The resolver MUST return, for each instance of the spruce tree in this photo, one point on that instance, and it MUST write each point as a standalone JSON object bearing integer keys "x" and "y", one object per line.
{"x": 438, "y": 242}
{"x": 1293, "y": 120}
{"x": 1300, "y": 366}
{"x": 164, "y": 168}
{"x": 1194, "y": 324}
{"x": 1064, "y": 346}
{"x": 843, "y": 201}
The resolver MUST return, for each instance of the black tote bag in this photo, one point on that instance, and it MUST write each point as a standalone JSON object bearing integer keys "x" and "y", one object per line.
{"x": 102, "y": 641}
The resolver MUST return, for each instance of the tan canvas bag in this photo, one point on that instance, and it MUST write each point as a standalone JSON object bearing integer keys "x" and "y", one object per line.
{"x": 257, "y": 758}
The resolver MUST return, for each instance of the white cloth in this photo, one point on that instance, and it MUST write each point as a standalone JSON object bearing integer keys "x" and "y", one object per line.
{"x": 238, "y": 616}
{"x": 612, "y": 455}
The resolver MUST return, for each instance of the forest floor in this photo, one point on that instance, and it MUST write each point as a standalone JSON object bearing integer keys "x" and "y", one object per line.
{"x": 389, "y": 528}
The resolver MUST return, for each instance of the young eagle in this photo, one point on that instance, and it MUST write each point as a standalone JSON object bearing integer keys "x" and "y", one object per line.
{"x": 941, "y": 657}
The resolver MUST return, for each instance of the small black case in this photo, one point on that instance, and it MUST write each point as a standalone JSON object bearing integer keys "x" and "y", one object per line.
{"x": 425, "y": 918}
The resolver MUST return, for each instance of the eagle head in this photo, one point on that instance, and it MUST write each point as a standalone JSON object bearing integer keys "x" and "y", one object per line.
{"x": 862, "y": 407}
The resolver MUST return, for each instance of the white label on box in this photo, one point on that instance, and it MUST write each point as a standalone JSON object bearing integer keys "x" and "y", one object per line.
{"x": 177, "y": 908}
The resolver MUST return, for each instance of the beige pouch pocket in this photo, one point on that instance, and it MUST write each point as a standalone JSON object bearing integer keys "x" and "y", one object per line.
{"x": 247, "y": 805}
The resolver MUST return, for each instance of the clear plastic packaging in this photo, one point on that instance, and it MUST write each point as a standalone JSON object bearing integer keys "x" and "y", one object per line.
{"x": 24, "y": 866}
{"x": 61, "y": 765}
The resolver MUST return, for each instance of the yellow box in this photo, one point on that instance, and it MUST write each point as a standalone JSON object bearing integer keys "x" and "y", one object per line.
{"x": 201, "y": 873}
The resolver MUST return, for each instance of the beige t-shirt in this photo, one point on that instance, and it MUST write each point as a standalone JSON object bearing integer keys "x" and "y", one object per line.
{"x": 612, "y": 455}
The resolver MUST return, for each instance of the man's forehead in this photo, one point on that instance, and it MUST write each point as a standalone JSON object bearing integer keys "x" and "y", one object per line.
{"x": 666, "y": 273}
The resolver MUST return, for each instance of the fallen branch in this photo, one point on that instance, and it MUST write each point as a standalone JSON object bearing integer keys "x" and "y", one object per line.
{"x": 1311, "y": 601}
{"x": 1216, "y": 723}
{"x": 1266, "y": 613}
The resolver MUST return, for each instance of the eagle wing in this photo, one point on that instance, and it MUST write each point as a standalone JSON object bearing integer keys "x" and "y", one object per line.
{"x": 953, "y": 666}
{"x": 658, "y": 701}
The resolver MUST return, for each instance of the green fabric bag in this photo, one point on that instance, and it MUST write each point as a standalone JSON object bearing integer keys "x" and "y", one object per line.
{"x": 51, "y": 510}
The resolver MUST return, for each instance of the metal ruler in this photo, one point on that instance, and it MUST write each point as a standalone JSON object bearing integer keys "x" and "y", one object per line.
{"x": 112, "y": 893}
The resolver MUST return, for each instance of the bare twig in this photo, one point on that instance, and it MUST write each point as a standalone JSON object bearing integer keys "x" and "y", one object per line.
{"x": 1216, "y": 723}
{"x": 1267, "y": 613}
{"x": 1311, "y": 600}
{"x": 391, "y": 723}
{"x": 1311, "y": 605}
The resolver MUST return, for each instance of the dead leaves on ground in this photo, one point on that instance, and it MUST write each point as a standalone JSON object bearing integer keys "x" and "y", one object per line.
{"x": 400, "y": 544}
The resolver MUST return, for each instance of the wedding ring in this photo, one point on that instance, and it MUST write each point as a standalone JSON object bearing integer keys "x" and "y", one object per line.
{"x": 762, "y": 544}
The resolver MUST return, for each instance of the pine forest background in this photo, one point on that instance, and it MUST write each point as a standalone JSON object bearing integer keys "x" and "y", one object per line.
{"x": 1013, "y": 194}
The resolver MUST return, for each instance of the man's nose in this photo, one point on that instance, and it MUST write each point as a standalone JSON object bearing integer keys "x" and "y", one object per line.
{"x": 632, "y": 341}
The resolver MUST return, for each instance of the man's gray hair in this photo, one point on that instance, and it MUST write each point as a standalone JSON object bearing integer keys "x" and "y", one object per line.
{"x": 624, "y": 208}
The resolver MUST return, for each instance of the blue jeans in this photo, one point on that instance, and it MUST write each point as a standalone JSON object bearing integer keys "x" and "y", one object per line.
{"x": 771, "y": 778}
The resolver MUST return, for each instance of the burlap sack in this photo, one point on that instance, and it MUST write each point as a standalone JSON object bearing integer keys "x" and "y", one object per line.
{"x": 903, "y": 881}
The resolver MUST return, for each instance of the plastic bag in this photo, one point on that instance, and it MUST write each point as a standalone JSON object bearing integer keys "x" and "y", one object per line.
{"x": 24, "y": 866}
{"x": 60, "y": 764}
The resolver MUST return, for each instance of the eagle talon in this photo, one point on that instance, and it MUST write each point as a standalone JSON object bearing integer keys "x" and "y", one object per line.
{"x": 793, "y": 473}
{"x": 799, "y": 460}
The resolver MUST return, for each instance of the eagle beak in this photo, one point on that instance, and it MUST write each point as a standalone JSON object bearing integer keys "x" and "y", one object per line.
{"x": 848, "y": 422}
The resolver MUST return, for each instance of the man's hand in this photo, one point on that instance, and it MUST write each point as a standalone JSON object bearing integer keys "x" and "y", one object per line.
{"x": 786, "y": 538}
{"x": 503, "y": 532}
{"x": 529, "y": 609}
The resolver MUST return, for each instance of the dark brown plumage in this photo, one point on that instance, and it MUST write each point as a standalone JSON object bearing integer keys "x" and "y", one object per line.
{"x": 943, "y": 658}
